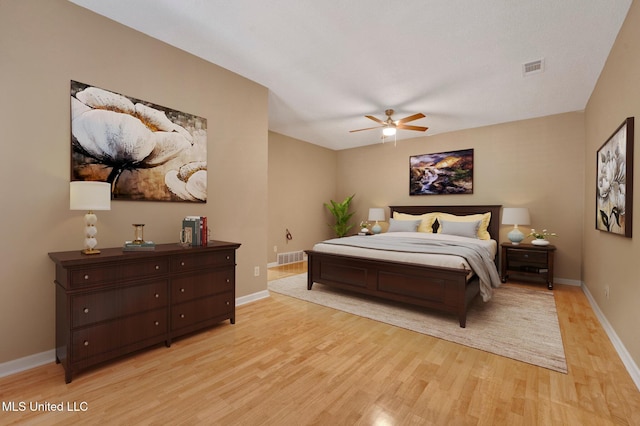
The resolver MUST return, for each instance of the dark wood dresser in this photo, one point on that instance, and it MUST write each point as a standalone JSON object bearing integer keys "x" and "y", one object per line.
{"x": 117, "y": 302}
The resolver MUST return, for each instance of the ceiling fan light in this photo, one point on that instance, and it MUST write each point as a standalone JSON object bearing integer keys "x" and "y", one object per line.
{"x": 389, "y": 131}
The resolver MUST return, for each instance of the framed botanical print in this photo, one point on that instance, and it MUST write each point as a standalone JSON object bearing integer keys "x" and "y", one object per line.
{"x": 614, "y": 182}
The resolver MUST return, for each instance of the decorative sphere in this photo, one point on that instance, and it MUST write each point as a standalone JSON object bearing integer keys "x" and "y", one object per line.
{"x": 90, "y": 242}
{"x": 90, "y": 219}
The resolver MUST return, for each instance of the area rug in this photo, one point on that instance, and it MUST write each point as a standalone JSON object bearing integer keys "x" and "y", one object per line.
{"x": 517, "y": 323}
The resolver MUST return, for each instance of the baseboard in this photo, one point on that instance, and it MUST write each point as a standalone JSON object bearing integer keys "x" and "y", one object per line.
{"x": 26, "y": 363}
{"x": 626, "y": 358}
{"x": 565, "y": 281}
{"x": 252, "y": 297}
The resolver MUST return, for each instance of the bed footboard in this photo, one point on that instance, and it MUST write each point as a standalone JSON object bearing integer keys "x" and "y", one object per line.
{"x": 444, "y": 289}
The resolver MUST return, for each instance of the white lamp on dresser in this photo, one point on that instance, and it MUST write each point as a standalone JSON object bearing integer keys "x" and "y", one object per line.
{"x": 90, "y": 196}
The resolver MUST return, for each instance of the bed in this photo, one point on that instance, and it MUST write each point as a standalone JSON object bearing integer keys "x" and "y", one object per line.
{"x": 404, "y": 277}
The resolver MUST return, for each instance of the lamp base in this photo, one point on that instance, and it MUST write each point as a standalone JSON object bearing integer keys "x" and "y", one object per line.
{"x": 515, "y": 236}
{"x": 90, "y": 251}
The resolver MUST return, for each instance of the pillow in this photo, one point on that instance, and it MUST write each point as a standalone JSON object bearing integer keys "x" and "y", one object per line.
{"x": 461, "y": 229}
{"x": 403, "y": 225}
{"x": 426, "y": 220}
{"x": 484, "y": 219}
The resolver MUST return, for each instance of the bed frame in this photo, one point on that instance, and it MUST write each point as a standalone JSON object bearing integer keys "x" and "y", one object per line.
{"x": 444, "y": 289}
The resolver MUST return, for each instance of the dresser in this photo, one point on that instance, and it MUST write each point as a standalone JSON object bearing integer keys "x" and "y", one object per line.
{"x": 528, "y": 261}
{"x": 118, "y": 302}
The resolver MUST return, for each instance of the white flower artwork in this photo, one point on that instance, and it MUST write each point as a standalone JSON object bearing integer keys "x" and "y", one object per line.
{"x": 614, "y": 179}
{"x": 146, "y": 151}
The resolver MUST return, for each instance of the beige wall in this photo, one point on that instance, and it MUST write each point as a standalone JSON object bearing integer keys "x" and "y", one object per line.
{"x": 610, "y": 259}
{"x": 43, "y": 45}
{"x": 302, "y": 177}
{"x": 534, "y": 163}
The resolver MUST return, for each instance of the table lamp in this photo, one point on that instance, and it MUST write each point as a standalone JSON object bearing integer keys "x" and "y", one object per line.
{"x": 90, "y": 196}
{"x": 377, "y": 214}
{"x": 515, "y": 216}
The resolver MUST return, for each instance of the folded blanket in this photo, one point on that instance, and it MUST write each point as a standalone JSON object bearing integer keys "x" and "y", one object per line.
{"x": 474, "y": 253}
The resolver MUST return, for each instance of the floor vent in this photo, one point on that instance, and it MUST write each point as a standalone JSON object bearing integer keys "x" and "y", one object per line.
{"x": 290, "y": 257}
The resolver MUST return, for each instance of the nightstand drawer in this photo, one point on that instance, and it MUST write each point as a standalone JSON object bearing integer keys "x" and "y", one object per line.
{"x": 528, "y": 256}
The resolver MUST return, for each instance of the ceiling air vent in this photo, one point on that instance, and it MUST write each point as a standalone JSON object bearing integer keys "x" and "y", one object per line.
{"x": 534, "y": 67}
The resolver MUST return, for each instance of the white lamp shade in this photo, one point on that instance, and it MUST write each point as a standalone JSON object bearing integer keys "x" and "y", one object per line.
{"x": 89, "y": 195}
{"x": 515, "y": 216}
{"x": 376, "y": 214}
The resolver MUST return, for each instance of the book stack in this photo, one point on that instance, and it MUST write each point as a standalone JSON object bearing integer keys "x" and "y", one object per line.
{"x": 138, "y": 246}
{"x": 195, "y": 231}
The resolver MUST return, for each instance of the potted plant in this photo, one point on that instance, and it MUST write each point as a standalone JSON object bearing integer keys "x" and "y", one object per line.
{"x": 540, "y": 238}
{"x": 340, "y": 212}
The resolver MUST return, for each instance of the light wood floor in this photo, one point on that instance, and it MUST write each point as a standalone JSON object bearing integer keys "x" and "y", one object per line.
{"x": 288, "y": 362}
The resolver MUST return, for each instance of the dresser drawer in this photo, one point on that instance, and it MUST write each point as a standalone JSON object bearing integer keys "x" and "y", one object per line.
{"x": 190, "y": 261}
{"x": 192, "y": 286}
{"x": 120, "y": 271}
{"x": 104, "y": 305}
{"x": 116, "y": 334}
{"x": 204, "y": 309}
{"x": 527, "y": 256}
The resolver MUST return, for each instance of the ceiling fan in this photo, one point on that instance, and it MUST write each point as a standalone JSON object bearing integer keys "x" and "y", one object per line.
{"x": 389, "y": 126}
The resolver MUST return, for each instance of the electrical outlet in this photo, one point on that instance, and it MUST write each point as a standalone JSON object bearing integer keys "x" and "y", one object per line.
{"x": 275, "y": 249}
{"x": 256, "y": 271}
{"x": 606, "y": 291}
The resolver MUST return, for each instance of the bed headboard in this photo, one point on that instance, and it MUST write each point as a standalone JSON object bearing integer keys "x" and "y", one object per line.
{"x": 461, "y": 210}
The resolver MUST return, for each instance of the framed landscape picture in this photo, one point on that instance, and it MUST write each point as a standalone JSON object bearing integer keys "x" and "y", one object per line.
{"x": 145, "y": 151}
{"x": 441, "y": 173}
{"x": 614, "y": 181}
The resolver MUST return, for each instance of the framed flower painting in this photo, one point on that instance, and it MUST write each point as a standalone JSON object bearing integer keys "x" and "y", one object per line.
{"x": 614, "y": 185}
{"x": 145, "y": 151}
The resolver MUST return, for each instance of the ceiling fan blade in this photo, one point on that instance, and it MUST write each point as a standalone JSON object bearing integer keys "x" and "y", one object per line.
{"x": 409, "y": 127}
{"x": 377, "y": 120}
{"x": 410, "y": 118}
{"x": 368, "y": 128}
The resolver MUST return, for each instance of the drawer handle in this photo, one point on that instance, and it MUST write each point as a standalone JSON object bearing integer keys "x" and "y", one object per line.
{"x": 526, "y": 255}
{"x": 86, "y": 277}
{"x": 157, "y": 296}
{"x": 227, "y": 303}
{"x": 86, "y": 343}
{"x": 181, "y": 315}
{"x": 85, "y": 310}
{"x": 157, "y": 267}
{"x": 156, "y": 323}
{"x": 228, "y": 280}
{"x": 182, "y": 290}
{"x": 181, "y": 263}
{"x": 228, "y": 257}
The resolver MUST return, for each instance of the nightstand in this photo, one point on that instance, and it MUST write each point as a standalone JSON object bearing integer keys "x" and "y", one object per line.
{"x": 529, "y": 261}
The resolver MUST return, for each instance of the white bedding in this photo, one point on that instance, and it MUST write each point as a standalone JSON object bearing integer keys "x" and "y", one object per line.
{"x": 440, "y": 260}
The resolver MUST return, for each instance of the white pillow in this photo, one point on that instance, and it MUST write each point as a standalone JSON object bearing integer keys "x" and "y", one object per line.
{"x": 403, "y": 225}
{"x": 426, "y": 219}
{"x": 484, "y": 218}
{"x": 462, "y": 229}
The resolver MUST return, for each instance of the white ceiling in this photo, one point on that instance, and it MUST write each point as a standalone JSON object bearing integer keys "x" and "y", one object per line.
{"x": 327, "y": 63}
